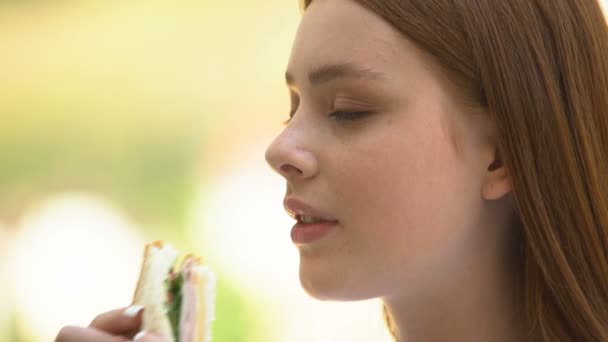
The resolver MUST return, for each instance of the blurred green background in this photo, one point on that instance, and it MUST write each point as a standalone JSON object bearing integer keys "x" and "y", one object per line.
{"x": 124, "y": 122}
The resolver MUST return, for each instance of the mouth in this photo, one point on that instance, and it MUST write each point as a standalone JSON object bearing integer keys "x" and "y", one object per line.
{"x": 306, "y": 214}
{"x": 307, "y": 219}
{"x": 312, "y": 223}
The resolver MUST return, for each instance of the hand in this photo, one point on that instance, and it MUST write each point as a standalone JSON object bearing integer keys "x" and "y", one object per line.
{"x": 120, "y": 325}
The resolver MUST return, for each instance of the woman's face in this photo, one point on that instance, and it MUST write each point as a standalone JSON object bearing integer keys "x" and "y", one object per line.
{"x": 407, "y": 202}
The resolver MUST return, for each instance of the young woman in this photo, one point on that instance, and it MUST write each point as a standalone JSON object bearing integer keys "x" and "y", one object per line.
{"x": 451, "y": 158}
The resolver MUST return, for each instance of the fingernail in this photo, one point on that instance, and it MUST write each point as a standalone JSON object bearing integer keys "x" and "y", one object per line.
{"x": 139, "y": 335}
{"x": 133, "y": 310}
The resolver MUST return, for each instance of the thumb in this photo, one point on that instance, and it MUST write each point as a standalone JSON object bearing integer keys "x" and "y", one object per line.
{"x": 144, "y": 336}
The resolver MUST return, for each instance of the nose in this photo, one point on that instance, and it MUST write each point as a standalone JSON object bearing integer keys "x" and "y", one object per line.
{"x": 291, "y": 157}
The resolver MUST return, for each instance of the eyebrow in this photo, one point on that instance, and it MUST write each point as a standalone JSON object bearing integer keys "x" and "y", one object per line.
{"x": 329, "y": 72}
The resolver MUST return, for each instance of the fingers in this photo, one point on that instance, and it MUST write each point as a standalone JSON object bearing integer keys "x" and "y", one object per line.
{"x": 119, "y": 321}
{"x": 77, "y": 334}
{"x": 147, "y": 337}
{"x": 113, "y": 326}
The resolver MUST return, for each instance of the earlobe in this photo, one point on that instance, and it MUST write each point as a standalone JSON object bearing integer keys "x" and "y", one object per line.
{"x": 497, "y": 182}
{"x": 496, "y": 188}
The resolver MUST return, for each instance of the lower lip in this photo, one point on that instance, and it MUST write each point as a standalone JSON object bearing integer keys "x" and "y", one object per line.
{"x": 307, "y": 233}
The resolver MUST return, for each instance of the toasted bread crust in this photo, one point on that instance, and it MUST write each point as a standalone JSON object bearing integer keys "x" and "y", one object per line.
{"x": 147, "y": 248}
{"x": 150, "y": 291}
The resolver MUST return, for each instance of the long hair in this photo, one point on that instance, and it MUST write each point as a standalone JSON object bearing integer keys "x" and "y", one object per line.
{"x": 539, "y": 69}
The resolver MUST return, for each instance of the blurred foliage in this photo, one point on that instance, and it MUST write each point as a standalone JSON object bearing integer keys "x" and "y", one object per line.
{"x": 119, "y": 99}
{"x": 150, "y": 174}
{"x": 235, "y": 321}
{"x": 76, "y": 119}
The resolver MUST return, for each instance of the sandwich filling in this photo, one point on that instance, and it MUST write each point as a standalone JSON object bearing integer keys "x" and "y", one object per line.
{"x": 189, "y": 310}
{"x": 178, "y": 296}
{"x": 174, "y": 284}
{"x": 181, "y": 302}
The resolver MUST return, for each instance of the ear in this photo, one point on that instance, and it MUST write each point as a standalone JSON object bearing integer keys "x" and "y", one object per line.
{"x": 496, "y": 183}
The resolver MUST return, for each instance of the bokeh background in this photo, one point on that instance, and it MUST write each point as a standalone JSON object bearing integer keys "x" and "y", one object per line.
{"x": 123, "y": 122}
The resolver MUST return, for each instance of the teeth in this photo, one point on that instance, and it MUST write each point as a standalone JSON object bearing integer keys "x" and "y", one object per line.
{"x": 308, "y": 219}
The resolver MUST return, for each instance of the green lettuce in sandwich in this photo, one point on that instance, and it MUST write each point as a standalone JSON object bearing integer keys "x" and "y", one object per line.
{"x": 178, "y": 297}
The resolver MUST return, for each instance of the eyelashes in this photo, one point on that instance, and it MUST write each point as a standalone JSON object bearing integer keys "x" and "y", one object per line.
{"x": 339, "y": 116}
{"x": 347, "y": 116}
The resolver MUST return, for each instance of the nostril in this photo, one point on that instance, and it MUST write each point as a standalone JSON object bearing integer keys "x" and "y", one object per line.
{"x": 289, "y": 169}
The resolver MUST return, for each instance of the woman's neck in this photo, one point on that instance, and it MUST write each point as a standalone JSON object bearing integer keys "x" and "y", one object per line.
{"x": 477, "y": 301}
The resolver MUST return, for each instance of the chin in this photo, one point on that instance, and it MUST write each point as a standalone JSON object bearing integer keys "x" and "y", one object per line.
{"x": 332, "y": 286}
{"x": 323, "y": 293}
{"x": 321, "y": 283}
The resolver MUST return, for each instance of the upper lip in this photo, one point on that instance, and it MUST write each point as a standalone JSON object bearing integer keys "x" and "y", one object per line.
{"x": 296, "y": 208}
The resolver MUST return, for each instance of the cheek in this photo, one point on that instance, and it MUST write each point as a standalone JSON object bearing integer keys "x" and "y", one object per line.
{"x": 406, "y": 191}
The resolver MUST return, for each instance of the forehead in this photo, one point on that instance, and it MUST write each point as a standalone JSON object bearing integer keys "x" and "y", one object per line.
{"x": 342, "y": 31}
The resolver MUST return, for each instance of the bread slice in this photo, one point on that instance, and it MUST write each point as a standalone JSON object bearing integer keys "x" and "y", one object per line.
{"x": 197, "y": 294}
{"x": 198, "y": 291}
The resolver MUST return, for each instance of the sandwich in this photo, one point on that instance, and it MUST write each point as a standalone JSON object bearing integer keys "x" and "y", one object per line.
{"x": 178, "y": 295}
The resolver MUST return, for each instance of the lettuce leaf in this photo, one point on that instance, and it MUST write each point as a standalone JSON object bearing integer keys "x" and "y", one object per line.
{"x": 175, "y": 303}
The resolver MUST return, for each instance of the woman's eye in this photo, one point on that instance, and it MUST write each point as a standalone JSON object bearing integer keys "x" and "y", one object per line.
{"x": 347, "y": 116}
{"x": 338, "y": 116}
